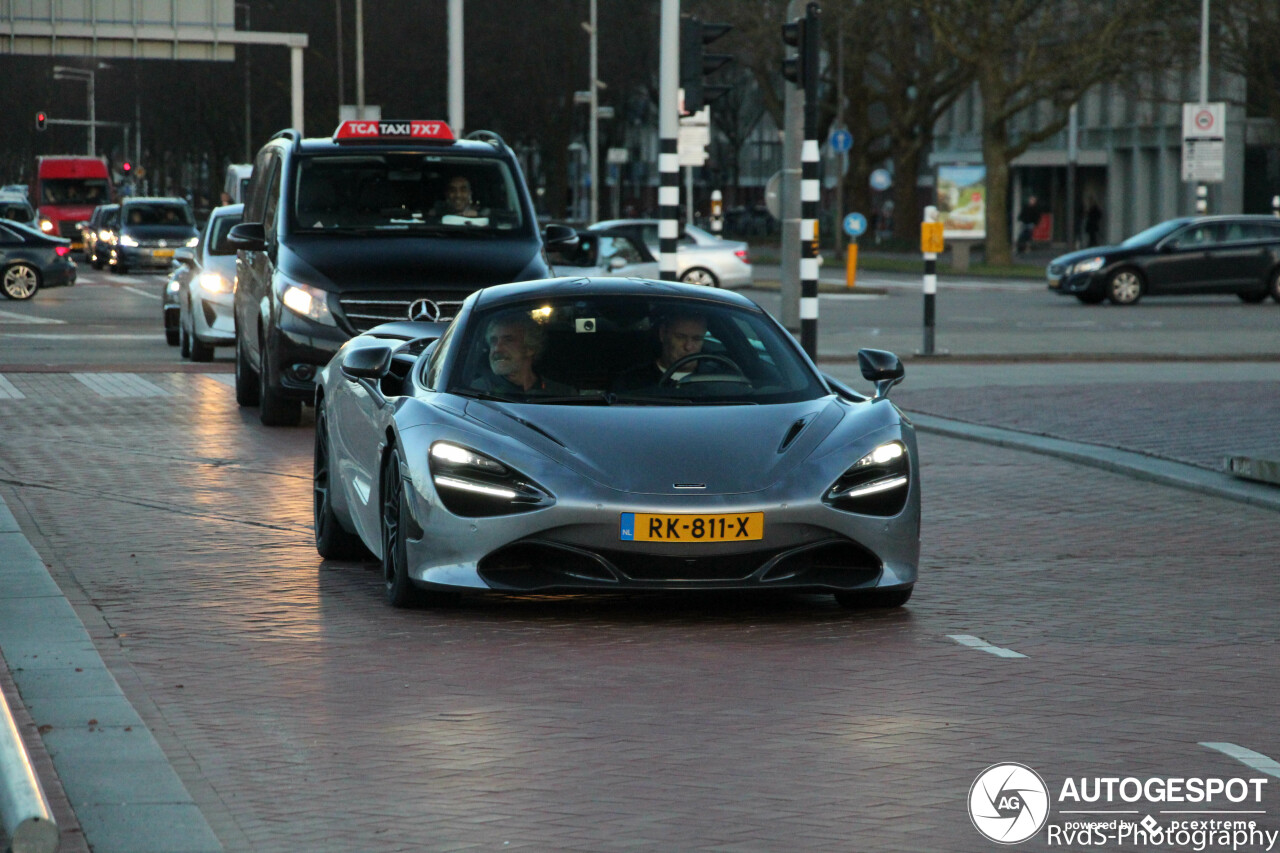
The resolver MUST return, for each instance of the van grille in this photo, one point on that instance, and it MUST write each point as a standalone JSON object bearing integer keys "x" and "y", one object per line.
{"x": 363, "y": 311}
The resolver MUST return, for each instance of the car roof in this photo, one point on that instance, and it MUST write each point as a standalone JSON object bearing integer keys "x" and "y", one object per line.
{"x": 606, "y": 286}
{"x": 154, "y": 199}
{"x": 321, "y": 144}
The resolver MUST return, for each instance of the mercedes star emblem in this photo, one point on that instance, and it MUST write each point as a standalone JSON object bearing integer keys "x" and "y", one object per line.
{"x": 424, "y": 310}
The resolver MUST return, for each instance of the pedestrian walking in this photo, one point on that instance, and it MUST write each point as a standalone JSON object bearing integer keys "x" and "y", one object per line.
{"x": 1093, "y": 221}
{"x": 1028, "y": 218}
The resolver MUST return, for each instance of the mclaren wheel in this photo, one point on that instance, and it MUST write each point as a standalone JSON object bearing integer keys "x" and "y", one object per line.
{"x": 399, "y": 589}
{"x": 1124, "y": 287}
{"x": 332, "y": 539}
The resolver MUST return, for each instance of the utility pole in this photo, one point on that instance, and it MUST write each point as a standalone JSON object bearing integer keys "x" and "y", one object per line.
{"x": 342, "y": 89}
{"x": 594, "y": 134}
{"x": 668, "y": 128}
{"x": 360, "y": 58}
{"x": 1202, "y": 189}
{"x": 456, "y": 112}
{"x": 789, "y": 198}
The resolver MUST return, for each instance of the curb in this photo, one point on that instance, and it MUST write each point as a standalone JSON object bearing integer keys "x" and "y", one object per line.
{"x": 1137, "y": 465}
{"x": 122, "y": 788}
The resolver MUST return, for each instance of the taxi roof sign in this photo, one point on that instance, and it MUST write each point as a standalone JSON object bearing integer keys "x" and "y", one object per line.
{"x": 358, "y": 130}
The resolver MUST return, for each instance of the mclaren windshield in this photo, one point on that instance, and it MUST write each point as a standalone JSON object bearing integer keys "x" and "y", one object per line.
{"x": 630, "y": 350}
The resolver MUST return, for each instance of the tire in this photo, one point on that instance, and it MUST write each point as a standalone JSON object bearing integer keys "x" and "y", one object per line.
{"x": 172, "y": 337}
{"x": 1091, "y": 298}
{"x": 20, "y": 282}
{"x": 398, "y": 588}
{"x": 1273, "y": 286}
{"x": 274, "y": 409}
{"x": 1125, "y": 287}
{"x": 700, "y": 275}
{"x": 97, "y": 263}
{"x": 1253, "y": 298}
{"x": 197, "y": 349}
{"x": 874, "y": 599}
{"x": 184, "y": 341}
{"x": 333, "y": 542}
{"x": 248, "y": 385}
{"x": 119, "y": 269}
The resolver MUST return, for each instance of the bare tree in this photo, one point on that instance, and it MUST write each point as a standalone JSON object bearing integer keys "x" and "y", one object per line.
{"x": 1249, "y": 41}
{"x": 1033, "y": 59}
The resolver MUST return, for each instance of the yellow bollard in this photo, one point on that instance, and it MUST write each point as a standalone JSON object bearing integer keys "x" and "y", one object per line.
{"x": 851, "y": 265}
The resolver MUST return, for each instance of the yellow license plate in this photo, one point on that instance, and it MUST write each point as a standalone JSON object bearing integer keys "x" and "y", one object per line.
{"x": 162, "y": 253}
{"x": 685, "y": 528}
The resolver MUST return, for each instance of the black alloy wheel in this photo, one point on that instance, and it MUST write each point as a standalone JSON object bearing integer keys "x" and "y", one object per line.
{"x": 399, "y": 589}
{"x": 247, "y": 383}
{"x": 333, "y": 542}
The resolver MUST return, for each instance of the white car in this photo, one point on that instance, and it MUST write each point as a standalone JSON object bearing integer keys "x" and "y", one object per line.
{"x": 203, "y": 287}
{"x": 701, "y": 257}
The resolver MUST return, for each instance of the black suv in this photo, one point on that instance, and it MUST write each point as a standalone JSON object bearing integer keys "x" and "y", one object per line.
{"x": 388, "y": 220}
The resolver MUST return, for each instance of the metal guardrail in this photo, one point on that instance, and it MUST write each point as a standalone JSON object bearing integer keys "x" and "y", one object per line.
{"x": 24, "y": 809}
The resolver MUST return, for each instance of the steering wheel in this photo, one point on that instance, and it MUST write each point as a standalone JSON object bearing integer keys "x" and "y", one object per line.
{"x": 668, "y": 374}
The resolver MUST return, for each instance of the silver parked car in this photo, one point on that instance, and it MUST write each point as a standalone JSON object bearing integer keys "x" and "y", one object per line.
{"x": 613, "y": 434}
{"x": 200, "y": 294}
{"x": 701, "y": 257}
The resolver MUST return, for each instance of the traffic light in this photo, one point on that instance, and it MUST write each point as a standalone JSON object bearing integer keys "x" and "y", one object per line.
{"x": 695, "y": 64}
{"x": 126, "y": 168}
{"x": 804, "y": 34}
{"x": 42, "y": 119}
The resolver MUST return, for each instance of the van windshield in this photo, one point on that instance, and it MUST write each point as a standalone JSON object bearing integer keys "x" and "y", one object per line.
{"x": 412, "y": 193}
{"x": 158, "y": 214}
{"x": 86, "y": 191}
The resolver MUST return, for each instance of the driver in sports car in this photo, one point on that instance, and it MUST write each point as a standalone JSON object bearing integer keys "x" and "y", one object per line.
{"x": 679, "y": 337}
{"x": 515, "y": 342}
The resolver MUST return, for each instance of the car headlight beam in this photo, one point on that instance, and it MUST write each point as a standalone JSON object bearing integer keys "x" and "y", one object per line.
{"x": 471, "y": 484}
{"x": 126, "y": 240}
{"x": 193, "y": 242}
{"x": 877, "y": 484}
{"x": 1089, "y": 265}
{"x": 307, "y": 301}
{"x": 212, "y": 282}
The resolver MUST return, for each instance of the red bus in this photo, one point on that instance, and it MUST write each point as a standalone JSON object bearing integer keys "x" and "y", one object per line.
{"x": 66, "y": 192}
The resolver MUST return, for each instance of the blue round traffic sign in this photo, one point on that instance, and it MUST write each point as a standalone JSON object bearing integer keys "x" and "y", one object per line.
{"x": 855, "y": 224}
{"x": 841, "y": 141}
{"x": 881, "y": 180}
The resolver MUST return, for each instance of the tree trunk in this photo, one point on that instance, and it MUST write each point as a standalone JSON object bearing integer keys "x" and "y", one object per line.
{"x": 995, "y": 155}
{"x": 907, "y": 210}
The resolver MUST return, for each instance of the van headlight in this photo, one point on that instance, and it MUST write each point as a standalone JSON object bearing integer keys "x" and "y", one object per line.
{"x": 307, "y": 301}
{"x": 877, "y": 484}
{"x": 126, "y": 240}
{"x": 193, "y": 242}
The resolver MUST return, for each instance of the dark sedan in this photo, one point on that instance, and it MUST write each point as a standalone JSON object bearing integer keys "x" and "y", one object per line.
{"x": 150, "y": 231}
{"x": 1191, "y": 255}
{"x": 31, "y": 259}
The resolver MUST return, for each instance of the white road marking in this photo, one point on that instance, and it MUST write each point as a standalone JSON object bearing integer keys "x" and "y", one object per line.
{"x": 851, "y": 297}
{"x": 12, "y": 317}
{"x": 1248, "y": 757}
{"x": 141, "y": 292}
{"x": 8, "y": 391}
{"x": 982, "y": 645}
{"x": 120, "y": 385}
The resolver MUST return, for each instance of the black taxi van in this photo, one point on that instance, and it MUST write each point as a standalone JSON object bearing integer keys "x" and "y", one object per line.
{"x": 387, "y": 220}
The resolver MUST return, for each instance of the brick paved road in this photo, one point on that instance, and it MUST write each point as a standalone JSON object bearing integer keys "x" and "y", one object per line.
{"x": 303, "y": 714}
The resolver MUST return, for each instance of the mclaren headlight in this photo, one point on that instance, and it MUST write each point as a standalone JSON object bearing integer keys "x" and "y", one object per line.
{"x": 877, "y": 484}
{"x": 1089, "y": 265}
{"x": 472, "y": 484}
{"x": 307, "y": 301}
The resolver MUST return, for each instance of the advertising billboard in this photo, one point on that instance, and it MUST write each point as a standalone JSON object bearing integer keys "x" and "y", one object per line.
{"x": 962, "y": 202}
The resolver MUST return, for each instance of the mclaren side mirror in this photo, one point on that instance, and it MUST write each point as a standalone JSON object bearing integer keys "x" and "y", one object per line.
{"x": 558, "y": 237}
{"x": 250, "y": 236}
{"x": 367, "y": 363}
{"x": 882, "y": 369}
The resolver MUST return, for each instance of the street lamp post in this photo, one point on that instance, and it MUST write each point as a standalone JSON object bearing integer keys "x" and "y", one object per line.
{"x": 85, "y": 75}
